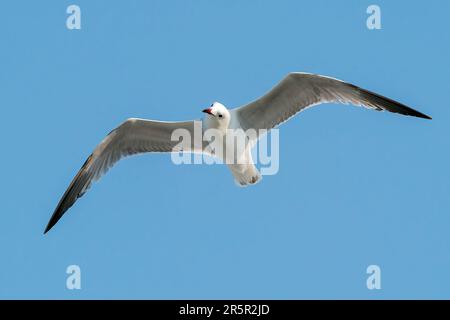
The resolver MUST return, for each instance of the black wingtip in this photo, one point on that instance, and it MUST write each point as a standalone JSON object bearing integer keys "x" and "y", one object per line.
{"x": 415, "y": 113}
{"x": 75, "y": 190}
{"x": 50, "y": 225}
{"x": 389, "y": 104}
{"x": 57, "y": 214}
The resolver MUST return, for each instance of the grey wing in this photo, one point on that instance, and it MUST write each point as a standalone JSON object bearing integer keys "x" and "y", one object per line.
{"x": 298, "y": 91}
{"x": 134, "y": 136}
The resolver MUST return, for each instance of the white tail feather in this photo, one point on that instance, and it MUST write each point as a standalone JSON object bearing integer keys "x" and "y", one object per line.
{"x": 245, "y": 174}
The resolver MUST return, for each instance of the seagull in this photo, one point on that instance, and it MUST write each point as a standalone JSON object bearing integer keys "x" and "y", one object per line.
{"x": 295, "y": 93}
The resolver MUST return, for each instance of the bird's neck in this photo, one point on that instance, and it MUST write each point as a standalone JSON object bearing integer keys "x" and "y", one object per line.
{"x": 211, "y": 124}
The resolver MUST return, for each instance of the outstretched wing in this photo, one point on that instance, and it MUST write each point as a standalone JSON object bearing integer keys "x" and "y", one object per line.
{"x": 298, "y": 91}
{"x": 131, "y": 137}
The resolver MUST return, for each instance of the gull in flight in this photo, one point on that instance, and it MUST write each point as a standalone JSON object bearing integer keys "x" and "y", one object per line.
{"x": 295, "y": 93}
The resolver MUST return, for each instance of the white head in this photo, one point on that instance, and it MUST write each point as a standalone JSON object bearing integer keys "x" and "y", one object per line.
{"x": 217, "y": 116}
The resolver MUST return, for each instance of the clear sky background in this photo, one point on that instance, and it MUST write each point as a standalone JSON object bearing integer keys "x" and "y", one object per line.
{"x": 355, "y": 187}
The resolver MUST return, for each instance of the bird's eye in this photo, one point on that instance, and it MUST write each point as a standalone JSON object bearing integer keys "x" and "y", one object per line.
{"x": 219, "y": 115}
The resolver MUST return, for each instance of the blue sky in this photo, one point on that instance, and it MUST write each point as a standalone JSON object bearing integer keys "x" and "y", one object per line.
{"x": 355, "y": 187}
